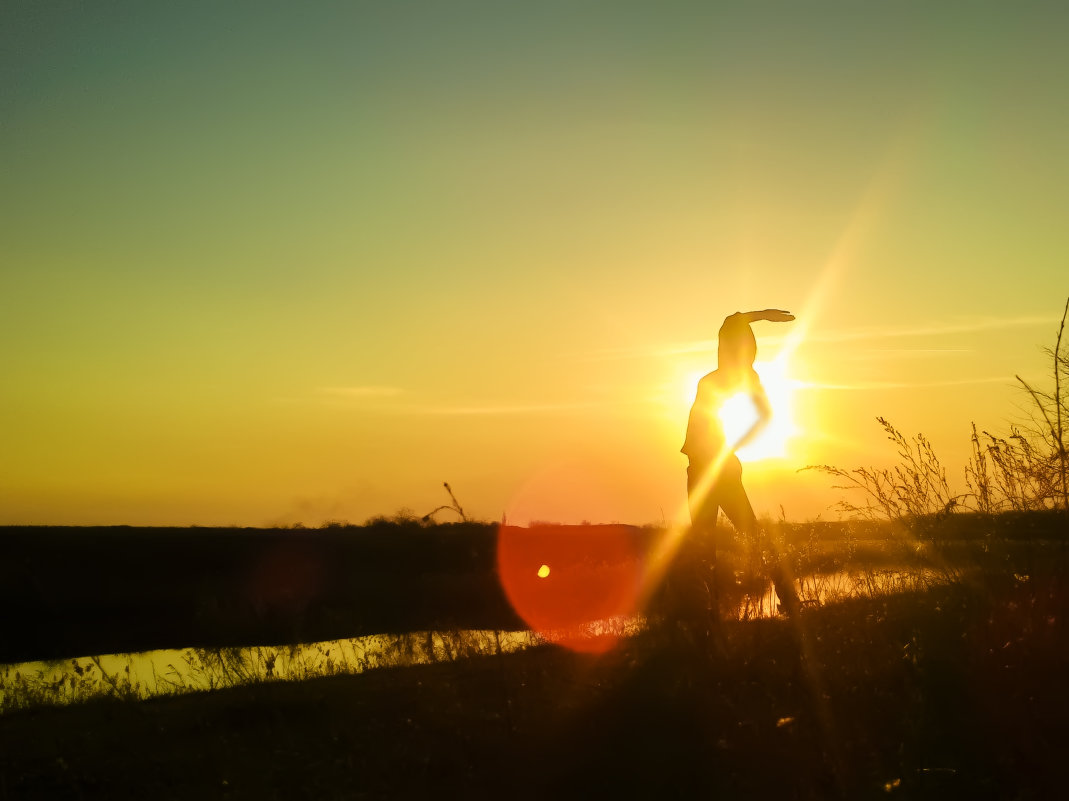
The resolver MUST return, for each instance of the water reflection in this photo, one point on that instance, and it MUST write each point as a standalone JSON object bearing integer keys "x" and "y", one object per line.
{"x": 177, "y": 671}
{"x": 819, "y": 589}
{"x": 174, "y": 671}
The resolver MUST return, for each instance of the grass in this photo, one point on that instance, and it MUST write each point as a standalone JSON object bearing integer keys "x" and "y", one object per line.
{"x": 950, "y": 692}
{"x": 951, "y": 685}
{"x": 829, "y": 560}
{"x": 1023, "y": 470}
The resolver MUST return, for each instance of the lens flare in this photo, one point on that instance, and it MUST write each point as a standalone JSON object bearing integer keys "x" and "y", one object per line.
{"x": 596, "y": 575}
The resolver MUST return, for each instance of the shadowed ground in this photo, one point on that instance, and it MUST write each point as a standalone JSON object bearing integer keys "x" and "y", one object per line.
{"x": 959, "y": 692}
{"x": 72, "y": 592}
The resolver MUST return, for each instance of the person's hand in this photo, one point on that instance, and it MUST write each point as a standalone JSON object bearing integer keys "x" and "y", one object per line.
{"x": 772, "y": 315}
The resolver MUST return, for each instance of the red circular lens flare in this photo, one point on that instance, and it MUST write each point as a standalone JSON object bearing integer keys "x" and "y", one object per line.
{"x": 560, "y": 579}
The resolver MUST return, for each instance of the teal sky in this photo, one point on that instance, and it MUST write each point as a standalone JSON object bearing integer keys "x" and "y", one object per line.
{"x": 266, "y": 262}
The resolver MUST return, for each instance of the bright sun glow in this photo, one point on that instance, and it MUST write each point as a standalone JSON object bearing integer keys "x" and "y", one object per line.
{"x": 736, "y": 415}
{"x": 772, "y": 442}
{"x": 738, "y": 412}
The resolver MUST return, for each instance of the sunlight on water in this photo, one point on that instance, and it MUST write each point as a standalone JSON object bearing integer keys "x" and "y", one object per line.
{"x": 818, "y": 589}
{"x": 823, "y": 588}
{"x": 178, "y": 671}
{"x": 167, "y": 672}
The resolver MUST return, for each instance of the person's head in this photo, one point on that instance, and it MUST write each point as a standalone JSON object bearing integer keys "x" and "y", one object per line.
{"x": 738, "y": 346}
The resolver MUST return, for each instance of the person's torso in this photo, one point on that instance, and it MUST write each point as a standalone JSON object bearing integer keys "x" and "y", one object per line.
{"x": 705, "y": 439}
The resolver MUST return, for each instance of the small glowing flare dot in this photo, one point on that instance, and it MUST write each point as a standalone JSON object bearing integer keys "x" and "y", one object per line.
{"x": 596, "y": 576}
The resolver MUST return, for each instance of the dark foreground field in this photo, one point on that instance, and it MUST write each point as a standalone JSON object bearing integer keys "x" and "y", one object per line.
{"x": 940, "y": 695}
{"x": 959, "y": 691}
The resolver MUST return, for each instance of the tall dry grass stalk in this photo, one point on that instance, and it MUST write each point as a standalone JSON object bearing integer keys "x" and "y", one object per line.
{"x": 1053, "y": 408}
{"x": 1024, "y": 470}
{"x": 916, "y": 487}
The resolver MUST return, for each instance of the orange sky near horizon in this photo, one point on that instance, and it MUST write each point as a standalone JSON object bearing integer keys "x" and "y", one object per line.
{"x": 265, "y": 265}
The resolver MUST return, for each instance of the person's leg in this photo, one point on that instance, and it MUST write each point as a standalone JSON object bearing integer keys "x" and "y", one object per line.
{"x": 703, "y": 505}
{"x": 699, "y": 551}
{"x": 736, "y": 505}
{"x": 730, "y": 496}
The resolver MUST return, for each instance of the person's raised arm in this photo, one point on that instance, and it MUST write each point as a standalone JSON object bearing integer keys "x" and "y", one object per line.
{"x": 772, "y": 315}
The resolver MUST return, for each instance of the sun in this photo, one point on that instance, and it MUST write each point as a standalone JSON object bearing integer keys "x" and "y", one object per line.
{"x": 773, "y": 442}
{"x": 738, "y": 413}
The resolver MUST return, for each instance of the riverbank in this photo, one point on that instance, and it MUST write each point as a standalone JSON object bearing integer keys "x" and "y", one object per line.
{"x": 955, "y": 692}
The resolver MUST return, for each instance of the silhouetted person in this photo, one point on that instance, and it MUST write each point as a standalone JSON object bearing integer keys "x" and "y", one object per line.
{"x": 714, "y": 476}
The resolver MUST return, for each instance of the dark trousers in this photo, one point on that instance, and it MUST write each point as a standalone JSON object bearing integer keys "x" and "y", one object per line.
{"x": 726, "y": 492}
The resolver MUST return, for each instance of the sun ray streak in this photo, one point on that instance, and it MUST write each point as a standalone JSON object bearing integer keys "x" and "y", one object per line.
{"x": 866, "y": 214}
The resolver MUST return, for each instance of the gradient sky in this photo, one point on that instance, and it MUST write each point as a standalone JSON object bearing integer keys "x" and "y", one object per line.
{"x": 270, "y": 263}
